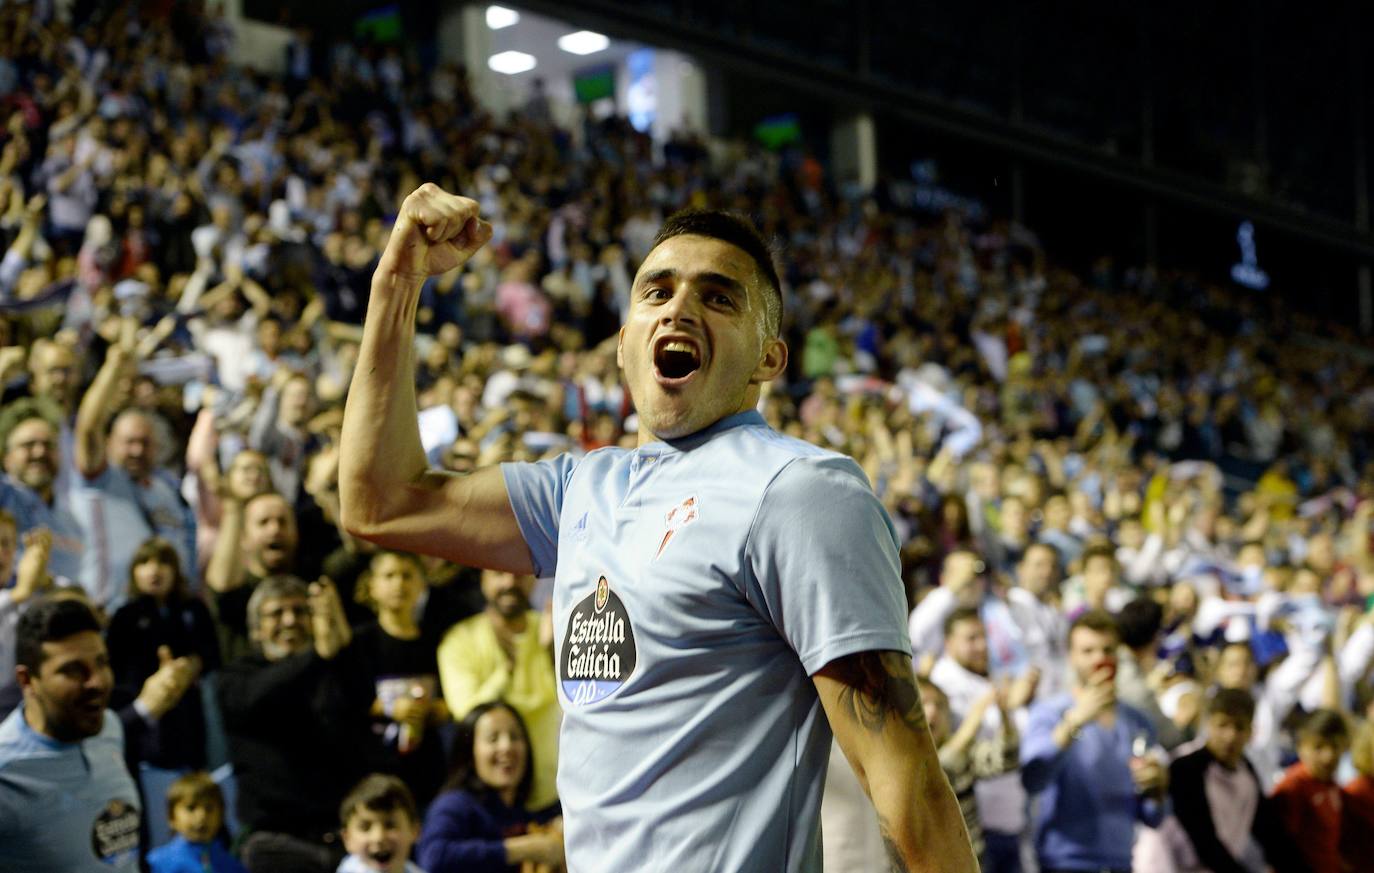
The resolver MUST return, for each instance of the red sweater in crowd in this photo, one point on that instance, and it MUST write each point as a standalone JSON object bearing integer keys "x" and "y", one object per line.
{"x": 1357, "y": 831}
{"x": 1310, "y": 809}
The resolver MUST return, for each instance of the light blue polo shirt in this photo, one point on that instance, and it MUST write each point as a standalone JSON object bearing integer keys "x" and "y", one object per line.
{"x": 698, "y": 586}
{"x": 66, "y": 807}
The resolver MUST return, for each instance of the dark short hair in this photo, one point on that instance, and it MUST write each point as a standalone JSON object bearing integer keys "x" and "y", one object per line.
{"x": 1096, "y": 620}
{"x": 1139, "y": 622}
{"x": 462, "y": 775}
{"x": 1234, "y": 703}
{"x": 738, "y": 231}
{"x": 961, "y": 614}
{"x": 26, "y": 409}
{"x": 378, "y": 792}
{"x": 1099, "y": 550}
{"x": 1325, "y": 724}
{"x": 48, "y": 620}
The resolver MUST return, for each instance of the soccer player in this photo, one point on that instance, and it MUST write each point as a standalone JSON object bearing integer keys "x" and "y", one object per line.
{"x": 724, "y": 598}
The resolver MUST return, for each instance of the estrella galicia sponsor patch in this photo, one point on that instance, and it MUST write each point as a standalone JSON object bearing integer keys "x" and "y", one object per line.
{"x": 114, "y": 836}
{"x": 598, "y": 649}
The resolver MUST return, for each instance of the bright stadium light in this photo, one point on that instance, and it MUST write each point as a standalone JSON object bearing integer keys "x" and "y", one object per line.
{"x": 499, "y": 17}
{"x": 511, "y": 63}
{"x": 584, "y": 42}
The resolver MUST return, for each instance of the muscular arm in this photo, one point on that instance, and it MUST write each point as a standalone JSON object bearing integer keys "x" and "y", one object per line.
{"x": 388, "y": 494}
{"x": 875, "y": 711}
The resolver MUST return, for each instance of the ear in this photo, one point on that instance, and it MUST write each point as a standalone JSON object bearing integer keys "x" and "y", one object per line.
{"x": 620, "y": 348}
{"x": 772, "y": 363}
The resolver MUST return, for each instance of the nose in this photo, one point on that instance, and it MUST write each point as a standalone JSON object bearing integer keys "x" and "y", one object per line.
{"x": 680, "y": 309}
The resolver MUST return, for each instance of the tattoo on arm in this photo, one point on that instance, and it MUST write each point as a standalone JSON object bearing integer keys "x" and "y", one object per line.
{"x": 879, "y": 685}
{"x": 894, "y": 855}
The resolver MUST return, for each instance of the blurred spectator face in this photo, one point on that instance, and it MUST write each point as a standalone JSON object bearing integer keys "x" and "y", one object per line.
{"x": 967, "y": 646}
{"x": 1321, "y": 552}
{"x": 1131, "y": 533}
{"x": 1320, "y": 755}
{"x": 694, "y": 344}
{"x": 248, "y": 473}
{"x": 936, "y": 708}
{"x": 1057, "y": 513}
{"x": 1099, "y": 577}
{"x": 198, "y": 819}
{"x": 1236, "y": 667}
{"x": 154, "y": 578}
{"x": 500, "y": 751}
{"x": 1227, "y": 737}
{"x": 1305, "y": 581}
{"x": 507, "y": 593}
{"x": 1037, "y": 571}
{"x": 1015, "y": 521}
{"x": 53, "y": 371}
{"x": 396, "y": 583}
{"x": 381, "y": 838}
{"x": 269, "y": 533}
{"x": 31, "y": 454}
{"x": 71, "y": 688}
{"x": 269, "y": 337}
{"x": 295, "y": 402}
{"x": 283, "y": 627}
{"x": 1250, "y": 555}
{"x": 133, "y": 446}
{"x": 1090, "y": 651}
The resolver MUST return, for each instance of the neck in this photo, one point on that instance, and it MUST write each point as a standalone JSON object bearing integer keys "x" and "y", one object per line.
{"x": 514, "y": 624}
{"x": 398, "y": 623}
{"x": 33, "y": 717}
{"x": 507, "y": 796}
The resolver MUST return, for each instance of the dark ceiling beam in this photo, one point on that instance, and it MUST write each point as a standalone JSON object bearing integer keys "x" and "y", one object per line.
{"x": 628, "y": 20}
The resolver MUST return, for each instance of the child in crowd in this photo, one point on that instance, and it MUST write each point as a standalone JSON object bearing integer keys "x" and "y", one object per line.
{"x": 380, "y": 825}
{"x": 1308, "y": 799}
{"x": 195, "y": 810}
{"x": 963, "y": 756}
{"x": 161, "y": 613}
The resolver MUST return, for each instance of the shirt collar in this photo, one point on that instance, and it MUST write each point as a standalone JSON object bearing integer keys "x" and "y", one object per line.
{"x": 748, "y": 418}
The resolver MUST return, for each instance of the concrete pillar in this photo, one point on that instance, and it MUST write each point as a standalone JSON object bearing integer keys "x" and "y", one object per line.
{"x": 854, "y": 151}
{"x": 464, "y": 37}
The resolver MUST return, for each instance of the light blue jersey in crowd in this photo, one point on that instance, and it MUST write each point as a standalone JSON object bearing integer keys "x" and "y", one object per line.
{"x": 699, "y": 585}
{"x": 66, "y": 807}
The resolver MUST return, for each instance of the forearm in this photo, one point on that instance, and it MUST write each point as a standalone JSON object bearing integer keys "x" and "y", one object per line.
{"x": 94, "y": 413}
{"x": 225, "y": 568}
{"x": 918, "y": 815}
{"x": 381, "y": 413}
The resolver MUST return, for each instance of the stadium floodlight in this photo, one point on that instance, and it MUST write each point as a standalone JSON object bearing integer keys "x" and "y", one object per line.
{"x": 584, "y": 42}
{"x": 499, "y": 17}
{"x": 511, "y": 63}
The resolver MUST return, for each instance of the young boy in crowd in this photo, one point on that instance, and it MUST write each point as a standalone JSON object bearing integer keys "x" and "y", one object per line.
{"x": 963, "y": 756}
{"x": 380, "y": 825}
{"x": 195, "y": 810}
{"x": 1308, "y": 799}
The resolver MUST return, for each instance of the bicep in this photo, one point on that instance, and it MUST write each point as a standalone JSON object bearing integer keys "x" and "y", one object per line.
{"x": 466, "y": 519}
{"x": 875, "y": 711}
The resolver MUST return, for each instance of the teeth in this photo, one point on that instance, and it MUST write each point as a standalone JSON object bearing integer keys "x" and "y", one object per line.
{"x": 676, "y": 346}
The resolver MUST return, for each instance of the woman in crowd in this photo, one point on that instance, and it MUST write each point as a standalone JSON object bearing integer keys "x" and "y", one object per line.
{"x": 162, "y": 621}
{"x": 479, "y": 824}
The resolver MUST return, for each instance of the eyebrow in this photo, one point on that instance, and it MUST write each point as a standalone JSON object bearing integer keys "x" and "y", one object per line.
{"x": 734, "y": 286}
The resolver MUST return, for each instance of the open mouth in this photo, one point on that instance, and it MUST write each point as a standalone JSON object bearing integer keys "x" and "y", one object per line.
{"x": 381, "y": 856}
{"x": 675, "y": 360}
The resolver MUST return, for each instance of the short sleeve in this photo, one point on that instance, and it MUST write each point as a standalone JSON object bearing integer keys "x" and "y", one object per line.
{"x": 823, "y": 565}
{"x": 536, "y": 497}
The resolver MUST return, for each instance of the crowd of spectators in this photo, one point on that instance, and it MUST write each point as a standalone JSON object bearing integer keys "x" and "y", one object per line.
{"x": 1182, "y": 474}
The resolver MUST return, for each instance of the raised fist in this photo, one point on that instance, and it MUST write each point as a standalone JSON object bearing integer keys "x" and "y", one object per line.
{"x": 435, "y": 232}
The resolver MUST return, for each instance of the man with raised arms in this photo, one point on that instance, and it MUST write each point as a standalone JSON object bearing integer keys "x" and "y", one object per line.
{"x": 741, "y": 589}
